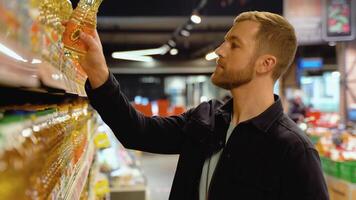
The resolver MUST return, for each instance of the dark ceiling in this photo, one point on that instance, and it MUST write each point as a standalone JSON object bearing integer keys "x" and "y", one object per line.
{"x": 161, "y": 8}
{"x": 140, "y": 24}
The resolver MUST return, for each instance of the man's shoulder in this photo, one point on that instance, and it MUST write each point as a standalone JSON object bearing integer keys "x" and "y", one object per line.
{"x": 210, "y": 106}
{"x": 287, "y": 134}
{"x": 206, "y": 111}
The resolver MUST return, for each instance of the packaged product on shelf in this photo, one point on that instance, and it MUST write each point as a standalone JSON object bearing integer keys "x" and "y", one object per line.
{"x": 83, "y": 19}
{"x": 41, "y": 150}
{"x": 12, "y": 183}
{"x": 337, "y": 149}
{"x": 101, "y": 140}
{"x": 66, "y": 9}
{"x": 339, "y": 145}
{"x": 53, "y": 12}
{"x": 9, "y": 23}
{"x": 16, "y": 20}
{"x": 46, "y": 149}
{"x": 101, "y": 186}
{"x": 122, "y": 166}
{"x": 25, "y": 22}
{"x": 33, "y": 29}
{"x": 97, "y": 184}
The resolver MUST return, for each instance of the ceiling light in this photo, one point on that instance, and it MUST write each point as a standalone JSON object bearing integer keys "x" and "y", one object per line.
{"x": 146, "y": 52}
{"x": 172, "y": 43}
{"x": 165, "y": 48}
{"x": 189, "y": 27}
{"x": 173, "y": 52}
{"x": 211, "y": 56}
{"x": 126, "y": 56}
{"x": 332, "y": 44}
{"x": 185, "y": 33}
{"x": 195, "y": 19}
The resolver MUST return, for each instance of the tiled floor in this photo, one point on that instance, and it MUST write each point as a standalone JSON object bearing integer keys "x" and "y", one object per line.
{"x": 159, "y": 171}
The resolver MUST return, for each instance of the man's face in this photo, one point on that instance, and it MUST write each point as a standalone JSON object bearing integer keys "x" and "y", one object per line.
{"x": 235, "y": 64}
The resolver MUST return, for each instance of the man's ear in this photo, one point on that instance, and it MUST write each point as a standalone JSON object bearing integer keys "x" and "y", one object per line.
{"x": 266, "y": 63}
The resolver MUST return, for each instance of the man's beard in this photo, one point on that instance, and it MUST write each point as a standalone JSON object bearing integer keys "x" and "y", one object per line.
{"x": 230, "y": 80}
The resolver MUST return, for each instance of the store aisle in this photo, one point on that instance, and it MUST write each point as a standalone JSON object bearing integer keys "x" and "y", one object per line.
{"x": 159, "y": 171}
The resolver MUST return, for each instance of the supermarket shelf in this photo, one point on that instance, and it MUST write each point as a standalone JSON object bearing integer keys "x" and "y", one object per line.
{"x": 75, "y": 185}
{"x": 132, "y": 192}
{"x": 33, "y": 96}
{"x": 140, "y": 187}
{"x": 20, "y": 68}
{"x": 78, "y": 179}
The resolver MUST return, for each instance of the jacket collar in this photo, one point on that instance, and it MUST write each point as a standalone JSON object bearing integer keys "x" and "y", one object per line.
{"x": 263, "y": 121}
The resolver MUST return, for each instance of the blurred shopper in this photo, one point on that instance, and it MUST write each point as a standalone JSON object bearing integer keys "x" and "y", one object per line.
{"x": 244, "y": 149}
{"x": 297, "y": 109}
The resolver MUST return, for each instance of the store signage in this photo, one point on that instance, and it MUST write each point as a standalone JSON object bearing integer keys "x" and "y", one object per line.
{"x": 305, "y": 16}
{"x": 339, "y": 20}
{"x": 310, "y": 63}
{"x": 352, "y": 114}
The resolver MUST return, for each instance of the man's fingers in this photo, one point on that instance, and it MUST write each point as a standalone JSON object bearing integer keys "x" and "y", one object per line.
{"x": 96, "y": 37}
{"x": 88, "y": 40}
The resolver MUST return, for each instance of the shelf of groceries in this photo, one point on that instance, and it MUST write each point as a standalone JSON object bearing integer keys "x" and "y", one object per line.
{"x": 32, "y": 54}
{"x": 48, "y": 152}
{"x": 41, "y": 147}
{"x": 336, "y": 144}
{"x": 52, "y": 148}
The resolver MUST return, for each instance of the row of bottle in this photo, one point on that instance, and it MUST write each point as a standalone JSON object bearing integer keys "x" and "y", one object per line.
{"x": 18, "y": 18}
{"x": 40, "y": 151}
{"x": 97, "y": 185}
{"x": 37, "y": 25}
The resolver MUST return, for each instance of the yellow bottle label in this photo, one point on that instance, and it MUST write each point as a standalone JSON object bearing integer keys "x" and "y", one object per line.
{"x": 101, "y": 140}
{"x": 101, "y": 187}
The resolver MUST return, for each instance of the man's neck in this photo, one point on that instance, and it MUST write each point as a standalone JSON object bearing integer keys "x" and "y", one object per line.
{"x": 249, "y": 101}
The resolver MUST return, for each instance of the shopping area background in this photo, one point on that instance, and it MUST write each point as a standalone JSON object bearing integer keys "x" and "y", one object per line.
{"x": 53, "y": 145}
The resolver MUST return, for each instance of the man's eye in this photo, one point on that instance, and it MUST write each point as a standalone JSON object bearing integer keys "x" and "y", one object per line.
{"x": 233, "y": 45}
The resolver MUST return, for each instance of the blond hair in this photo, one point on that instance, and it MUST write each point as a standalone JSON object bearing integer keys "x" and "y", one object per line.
{"x": 275, "y": 36}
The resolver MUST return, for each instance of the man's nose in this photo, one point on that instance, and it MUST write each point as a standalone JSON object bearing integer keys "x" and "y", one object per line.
{"x": 220, "y": 51}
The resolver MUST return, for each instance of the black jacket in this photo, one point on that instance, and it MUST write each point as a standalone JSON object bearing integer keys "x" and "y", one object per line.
{"x": 266, "y": 158}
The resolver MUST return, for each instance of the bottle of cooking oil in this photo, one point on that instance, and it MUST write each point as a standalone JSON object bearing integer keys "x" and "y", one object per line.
{"x": 83, "y": 19}
{"x": 66, "y": 9}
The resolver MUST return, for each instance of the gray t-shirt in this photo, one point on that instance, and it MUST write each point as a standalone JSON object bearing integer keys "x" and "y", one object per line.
{"x": 209, "y": 167}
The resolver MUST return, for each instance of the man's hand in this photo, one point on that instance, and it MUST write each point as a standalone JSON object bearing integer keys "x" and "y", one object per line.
{"x": 93, "y": 62}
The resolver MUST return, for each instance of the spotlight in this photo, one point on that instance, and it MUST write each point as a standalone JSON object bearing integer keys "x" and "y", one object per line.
{"x": 189, "y": 27}
{"x": 332, "y": 44}
{"x": 185, "y": 33}
{"x": 173, "y": 52}
{"x": 195, "y": 19}
{"x": 211, "y": 56}
{"x": 172, "y": 43}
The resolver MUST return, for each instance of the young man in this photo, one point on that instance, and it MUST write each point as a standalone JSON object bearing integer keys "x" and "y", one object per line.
{"x": 245, "y": 149}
